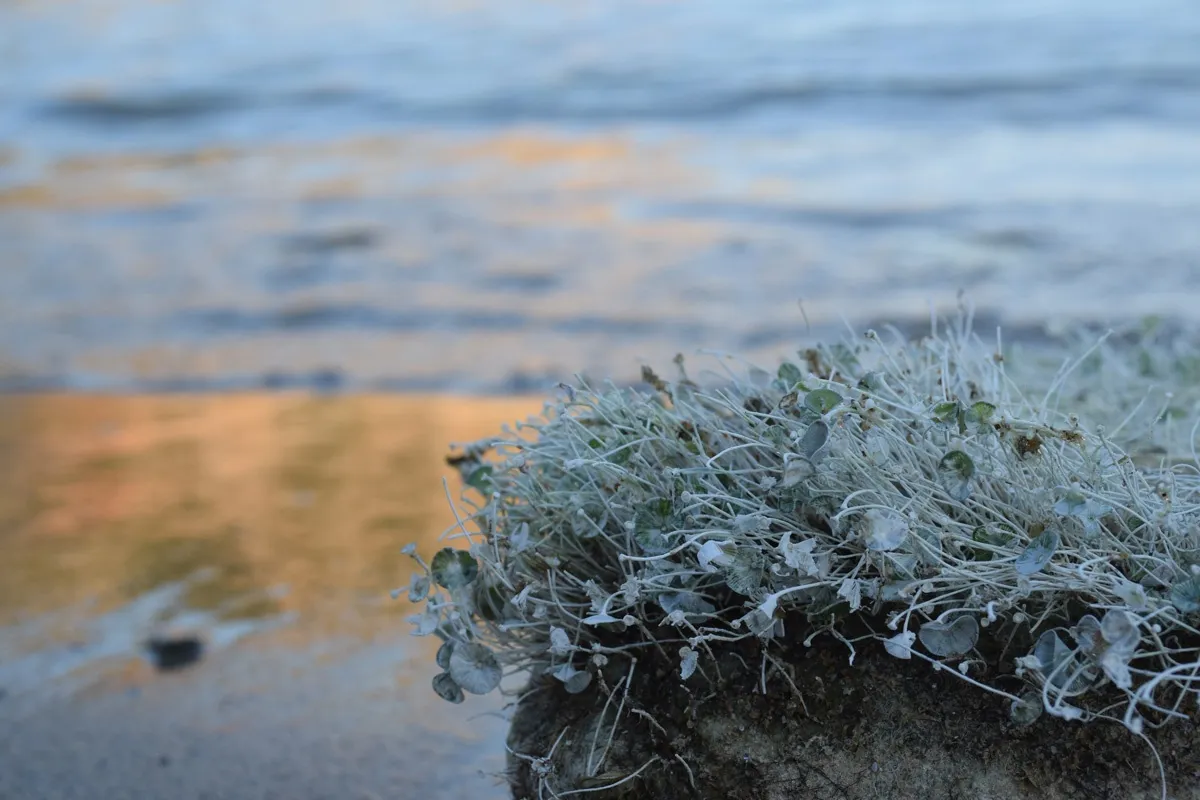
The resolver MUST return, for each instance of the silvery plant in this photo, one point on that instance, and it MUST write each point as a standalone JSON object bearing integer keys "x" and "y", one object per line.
{"x": 949, "y": 496}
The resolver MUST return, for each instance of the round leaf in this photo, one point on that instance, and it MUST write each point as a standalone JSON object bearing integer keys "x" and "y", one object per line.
{"x": 578, "y": 682}
{"x": 980, "y": 413}
{"x": 812, "y": 443}
{"x": 418, "y": 588}
{"x": 822, "y": 401}
{"x": 687, "y": 663}
{"x": 1025, "y": 709}
{"x": 712, "y": 553}
{"x": 790, "y": 374}
{"x": 685, "y": 602}
{"x": 950, "y": 638}
{"x": 489, "y": 600}
{"x": 453, "y": 568}
{"x": 446, "y": 688}
{"x": 574, "y": 680}
{"x": 946, "y": 412}
{"x": 560, "y": 642}
{"x": 744, "y": 572}
{"x": 1185, "y": 595}
{"x": 1087, "y": 635}
{"x": 443, "y": 654}
{"x": 1134, "y": 595}
{"x": 1072, "y": 502}
{"x": 475, "y": 668}
{"x": 884, "y": 529}
{"x": 955, "y": 471}
{"x": 1037, "y": 553}
{"x": 651, "y": 541}
{"x": 1050, "y": 652}
{"x": 1120, "y": 630}
{"x": 795, "y": 470}
{"x": 900, "y": 645}
{"x": 1060, "y": 664}
{"x": 481, "y": 479}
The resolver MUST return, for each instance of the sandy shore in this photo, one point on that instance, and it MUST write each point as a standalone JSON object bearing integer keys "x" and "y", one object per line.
{"x": 260, "y": 720}
{"x": 270, "y": 526}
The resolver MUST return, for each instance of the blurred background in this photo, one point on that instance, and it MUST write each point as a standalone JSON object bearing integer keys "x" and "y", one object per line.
{"x": 262, "y": 260}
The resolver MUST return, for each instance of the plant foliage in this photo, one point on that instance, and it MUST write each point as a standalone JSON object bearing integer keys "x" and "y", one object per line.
{"x": 956, "y": 492}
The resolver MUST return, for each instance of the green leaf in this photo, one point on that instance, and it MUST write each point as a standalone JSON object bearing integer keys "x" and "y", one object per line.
{"x": 956, "y": 470}
{"x": 871, "y": 381}
{"x": 983, "y": 535}
{"x": 481, "y": 479}
{"x": 842, "y": 354}
{"x": 946, "y": 412}
{"x": 790, "y": 374}
{"x": 777, "y": 436}
{"x": 489, "y": 601}
{"x": 980, "y": 413}
{"x": 650, "y": 522}
{"x": 834, "y": 611}
{"x": 822, "y": 401}
{"x": 651, "y": 541}
{"x": 453, "y": 568}
{"x": 621, "y": 456}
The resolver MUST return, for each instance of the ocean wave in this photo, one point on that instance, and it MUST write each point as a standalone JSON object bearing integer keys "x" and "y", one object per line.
{"x": 218, "y": 322}
{"x": 632, "y": 96}
{"x": 170, "y": 106}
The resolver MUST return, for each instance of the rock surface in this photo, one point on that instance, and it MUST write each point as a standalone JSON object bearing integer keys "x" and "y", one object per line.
{"x": 880, "y": 728}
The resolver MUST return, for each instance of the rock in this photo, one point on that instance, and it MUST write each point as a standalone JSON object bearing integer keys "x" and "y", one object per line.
{"x": 881, "y": 728}
{"x": 169, "y": 653}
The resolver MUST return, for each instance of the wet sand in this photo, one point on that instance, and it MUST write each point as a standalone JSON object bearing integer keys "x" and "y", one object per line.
{"x": 264, "y": 721}
{"x": 269, "y": 526}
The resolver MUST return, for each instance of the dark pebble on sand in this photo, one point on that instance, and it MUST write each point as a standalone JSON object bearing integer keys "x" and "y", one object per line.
{"x": 174, "y": 653}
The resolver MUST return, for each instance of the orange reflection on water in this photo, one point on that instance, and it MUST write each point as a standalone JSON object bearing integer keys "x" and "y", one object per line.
{"x": 260, "y": 504}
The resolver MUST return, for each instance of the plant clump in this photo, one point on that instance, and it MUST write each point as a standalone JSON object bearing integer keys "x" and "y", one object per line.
{"x": 1027, "y": 522}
